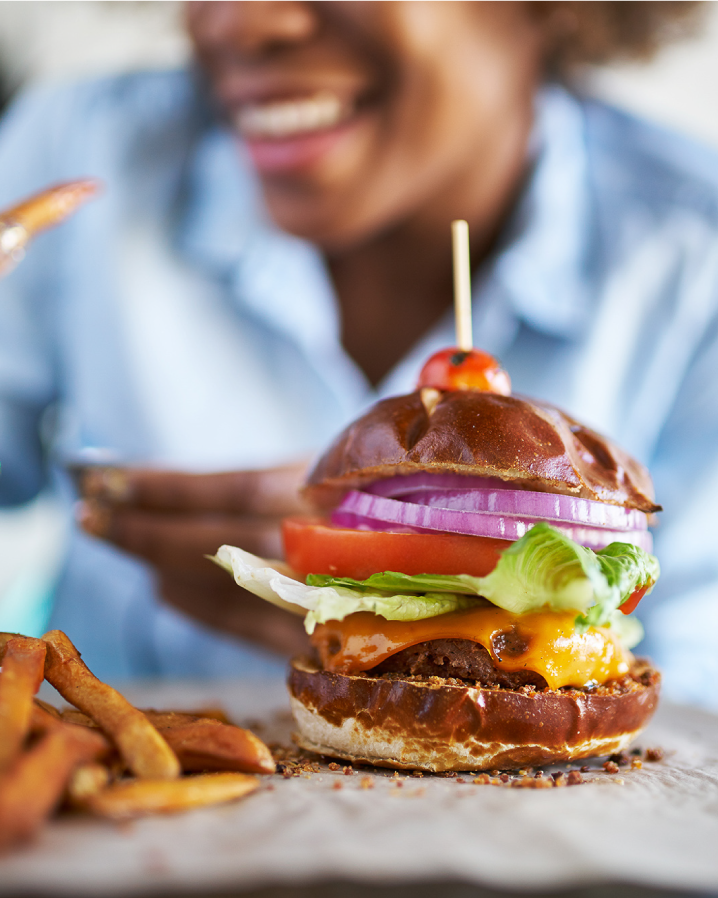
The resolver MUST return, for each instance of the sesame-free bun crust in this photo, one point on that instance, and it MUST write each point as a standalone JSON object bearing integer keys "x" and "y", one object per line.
{"x": 530, "y": 443}
{"x": 435, "y": 726}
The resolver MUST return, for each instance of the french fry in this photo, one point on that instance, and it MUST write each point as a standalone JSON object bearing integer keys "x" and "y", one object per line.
{"x": 42, "y": 719}
{"x": 206, "y": 744}
{"x": 4, "y": 639}
{"x": 165, "y": 720}
{"x": 135, "y": 798}
{"x": 20, "y": 678}
{"x": 201, "y": 743}
{"x": 72, "y": 715}
{"x": 45, "y": 706}
{"x": 208, "y": 713}
{"x": 33, "y": 785}
{"x": 142, "y": 748}
{"x": 20, "y": 223}
{"x": 51, "y": 206}
{"x": 87, "y": 780}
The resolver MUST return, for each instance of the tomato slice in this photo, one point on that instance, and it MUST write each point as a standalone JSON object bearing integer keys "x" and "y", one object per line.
{"x": 632, "y": 601}
{"x": 313, "y": 546}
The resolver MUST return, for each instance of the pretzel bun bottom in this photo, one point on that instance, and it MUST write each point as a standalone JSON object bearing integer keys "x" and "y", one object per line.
{"x": 435, "y": 725}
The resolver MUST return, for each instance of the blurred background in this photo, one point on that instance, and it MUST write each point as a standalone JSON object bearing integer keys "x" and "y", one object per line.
{"x": 70, "y": 40}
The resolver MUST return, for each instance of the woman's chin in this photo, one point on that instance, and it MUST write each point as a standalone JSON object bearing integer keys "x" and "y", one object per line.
{"x": 319, "y": 217}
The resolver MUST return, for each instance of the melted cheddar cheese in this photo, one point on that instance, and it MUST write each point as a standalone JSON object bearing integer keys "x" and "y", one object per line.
{"x": 544, "y": 641}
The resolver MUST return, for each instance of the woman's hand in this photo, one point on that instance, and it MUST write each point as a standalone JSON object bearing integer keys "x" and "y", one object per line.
{"x": 173, "y": 520}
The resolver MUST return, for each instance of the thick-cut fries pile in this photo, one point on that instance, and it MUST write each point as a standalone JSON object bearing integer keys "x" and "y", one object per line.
{"x": 104, "y": 755}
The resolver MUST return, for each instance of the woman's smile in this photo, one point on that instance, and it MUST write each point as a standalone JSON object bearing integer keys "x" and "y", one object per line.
{"x": 358, "y": 116}
{"x": 288, "y": 135}
{"x": 278, "y": 119}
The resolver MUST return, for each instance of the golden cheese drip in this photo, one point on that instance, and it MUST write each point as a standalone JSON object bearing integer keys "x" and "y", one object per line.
{"x": 544, "y": 641}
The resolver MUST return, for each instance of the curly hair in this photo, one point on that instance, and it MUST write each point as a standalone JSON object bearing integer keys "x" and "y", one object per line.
{"x": 580, "y": 33}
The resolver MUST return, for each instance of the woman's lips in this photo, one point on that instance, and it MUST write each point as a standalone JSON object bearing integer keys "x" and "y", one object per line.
{"x": 286, "y": 135}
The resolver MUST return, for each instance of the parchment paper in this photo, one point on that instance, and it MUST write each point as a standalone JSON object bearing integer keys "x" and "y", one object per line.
{"x": 657, "y": 826}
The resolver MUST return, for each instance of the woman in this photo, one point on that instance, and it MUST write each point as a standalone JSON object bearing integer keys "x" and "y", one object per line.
{"x": 273, "y": 253}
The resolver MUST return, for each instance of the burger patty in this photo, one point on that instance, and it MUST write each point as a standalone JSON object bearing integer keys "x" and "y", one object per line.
{"x": 460, "y": 658}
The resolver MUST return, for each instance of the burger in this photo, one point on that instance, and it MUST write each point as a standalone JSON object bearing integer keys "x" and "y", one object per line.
{"x": 468, "y": 582}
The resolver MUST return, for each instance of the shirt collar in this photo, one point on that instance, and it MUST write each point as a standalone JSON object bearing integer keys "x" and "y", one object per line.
{"x": 224, "y": 228}
{"x": 541, "y": 270}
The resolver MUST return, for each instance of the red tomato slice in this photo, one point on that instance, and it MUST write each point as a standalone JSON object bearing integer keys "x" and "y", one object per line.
{"x": 632, "y": 601}
{"x": 313, "y": 546}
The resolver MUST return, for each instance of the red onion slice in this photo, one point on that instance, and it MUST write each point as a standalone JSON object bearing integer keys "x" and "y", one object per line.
{"x": 545, "y": 506}
{"x": 403, "y": 484}
{"x": 365, "y": 511}
{"x": 484, "y": 495}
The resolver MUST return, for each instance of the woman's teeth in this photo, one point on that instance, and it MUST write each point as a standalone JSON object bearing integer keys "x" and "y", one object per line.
{"x": 289, "y": 117}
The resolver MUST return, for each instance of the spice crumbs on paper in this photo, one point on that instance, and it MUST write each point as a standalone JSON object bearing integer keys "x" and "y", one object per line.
{"x": 295, "y": 762}
{"x": 527, "y": 779}
{"x": 654, "y": 754}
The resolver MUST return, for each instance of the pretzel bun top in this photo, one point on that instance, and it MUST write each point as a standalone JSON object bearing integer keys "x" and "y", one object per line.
{"x": 532, "y": 444}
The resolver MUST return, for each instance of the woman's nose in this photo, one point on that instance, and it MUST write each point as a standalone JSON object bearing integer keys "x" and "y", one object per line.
{"x": 251, "y": 27}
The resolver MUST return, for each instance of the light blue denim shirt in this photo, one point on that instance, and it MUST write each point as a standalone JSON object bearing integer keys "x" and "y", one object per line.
{"x": 170, "y": 322}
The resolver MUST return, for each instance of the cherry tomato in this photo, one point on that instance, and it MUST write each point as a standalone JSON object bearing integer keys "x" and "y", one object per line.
{"x": 313, "y": 546}
{"x": 457, "y": 369}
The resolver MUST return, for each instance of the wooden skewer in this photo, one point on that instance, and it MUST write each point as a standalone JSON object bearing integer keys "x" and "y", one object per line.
{"x": 462, "y": 285}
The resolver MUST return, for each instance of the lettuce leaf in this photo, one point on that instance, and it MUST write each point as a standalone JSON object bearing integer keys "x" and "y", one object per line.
{"x": 625, "y": 568}
{"x": 627, "y": 627}
{"x": 542, "y": 570}
{"x": 322, "y": 603}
